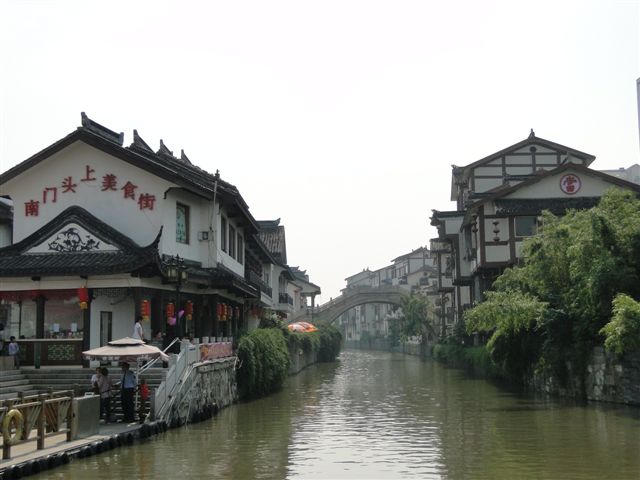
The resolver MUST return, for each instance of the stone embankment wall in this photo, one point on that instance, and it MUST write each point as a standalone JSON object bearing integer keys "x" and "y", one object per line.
{"x": 608, "y": 379}
{"x": 208, "y": 387}
{"x": 300, "y": 359}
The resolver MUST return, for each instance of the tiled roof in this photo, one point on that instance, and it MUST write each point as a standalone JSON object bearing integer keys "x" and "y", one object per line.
{"x": 272, "y": 235}
{"x": 557, "y": 206}
{"x": 222, "y": 277}
{"x": 6, "y": 212}
{"x": 162, "y": 164}
{"x": 84, "y": 263}
{"x": 15, "y": 261}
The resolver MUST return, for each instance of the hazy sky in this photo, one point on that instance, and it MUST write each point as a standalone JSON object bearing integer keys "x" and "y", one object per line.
{"x": 342, "y": 118}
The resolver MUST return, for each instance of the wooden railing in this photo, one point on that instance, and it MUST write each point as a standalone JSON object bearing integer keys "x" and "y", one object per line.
{"x": 49, "y": 414}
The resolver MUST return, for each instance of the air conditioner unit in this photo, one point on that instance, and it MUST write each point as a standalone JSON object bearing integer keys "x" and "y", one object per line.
{"x": 202, "y": 236}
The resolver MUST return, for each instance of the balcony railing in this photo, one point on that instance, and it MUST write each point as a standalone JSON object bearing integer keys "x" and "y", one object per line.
{"x": 258, "y": 282}
{"x": 285, "y": 298}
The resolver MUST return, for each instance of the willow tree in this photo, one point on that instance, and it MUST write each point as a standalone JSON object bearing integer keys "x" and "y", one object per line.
{"x": 418, "y": 314}
{"x": 573, "y": 269}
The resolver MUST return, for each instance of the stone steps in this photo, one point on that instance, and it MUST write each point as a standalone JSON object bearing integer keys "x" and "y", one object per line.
{"x": 80, "y": 378}
{"x": 13, "y": 384}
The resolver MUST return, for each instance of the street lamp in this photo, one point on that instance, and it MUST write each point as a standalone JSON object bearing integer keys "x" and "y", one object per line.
{"x": 177, "y": 273}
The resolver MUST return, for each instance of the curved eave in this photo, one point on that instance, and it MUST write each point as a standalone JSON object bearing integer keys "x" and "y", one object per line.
{"x": 72, "y": 264}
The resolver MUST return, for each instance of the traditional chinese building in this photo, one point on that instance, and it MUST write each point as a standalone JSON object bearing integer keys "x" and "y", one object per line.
{"x": 103, "y": 232}
{"x": 499, "y": 199}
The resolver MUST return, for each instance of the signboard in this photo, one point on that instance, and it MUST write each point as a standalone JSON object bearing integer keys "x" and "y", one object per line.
{"x": 570, "y": 184}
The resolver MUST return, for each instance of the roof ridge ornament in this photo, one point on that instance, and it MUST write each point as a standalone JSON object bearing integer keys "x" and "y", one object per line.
{"x": 101, "y": 130}
{"x": 532, "y": 134}
{"x": 184, "y": 157}
{"x": 139, "y": 143}
{"x": 164, "y": 150}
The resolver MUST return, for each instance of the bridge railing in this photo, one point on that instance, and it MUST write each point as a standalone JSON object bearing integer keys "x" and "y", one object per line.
{"x": 359, "y": 289}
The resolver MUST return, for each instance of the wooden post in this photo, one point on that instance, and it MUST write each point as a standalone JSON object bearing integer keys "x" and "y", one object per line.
{"x": 6, "y": 451}
{"x": 71, "y": 429}
{"x": 41, "y": 430}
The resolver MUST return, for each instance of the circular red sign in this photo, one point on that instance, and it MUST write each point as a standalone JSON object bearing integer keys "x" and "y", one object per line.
{"x": 570, "y": 184}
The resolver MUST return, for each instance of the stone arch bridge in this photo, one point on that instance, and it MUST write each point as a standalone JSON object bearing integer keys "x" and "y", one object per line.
{"x": 354, "y": 296}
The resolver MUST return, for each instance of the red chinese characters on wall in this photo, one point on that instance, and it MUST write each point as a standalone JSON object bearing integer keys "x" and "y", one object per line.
{"x": 145, "y": 201}
{"x": 31, "y": 208}
{"x": 570, "y": 184}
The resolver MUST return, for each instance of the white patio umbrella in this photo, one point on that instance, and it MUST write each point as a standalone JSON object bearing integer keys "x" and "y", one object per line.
{"x": 126, "y": 349}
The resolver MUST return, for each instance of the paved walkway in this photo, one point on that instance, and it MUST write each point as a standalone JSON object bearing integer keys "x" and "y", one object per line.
{"x": 56, "y": 444}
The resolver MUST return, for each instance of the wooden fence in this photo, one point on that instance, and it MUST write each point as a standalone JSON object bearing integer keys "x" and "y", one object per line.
{"x": 47, "y": 414}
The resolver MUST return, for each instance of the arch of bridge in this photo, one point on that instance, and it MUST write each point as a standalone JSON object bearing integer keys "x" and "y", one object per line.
{"x": 360, "y": 296}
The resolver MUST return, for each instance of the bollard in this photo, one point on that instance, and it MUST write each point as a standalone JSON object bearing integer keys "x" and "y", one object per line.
{"x": 41, "y": 425}
{"x": 36, "y": 354}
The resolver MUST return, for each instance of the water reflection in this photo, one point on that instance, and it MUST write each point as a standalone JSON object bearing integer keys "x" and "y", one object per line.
{"x": 380, "y": 415}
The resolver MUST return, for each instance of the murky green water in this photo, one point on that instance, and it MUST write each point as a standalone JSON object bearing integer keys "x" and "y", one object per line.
{"x": 379, "y": 415}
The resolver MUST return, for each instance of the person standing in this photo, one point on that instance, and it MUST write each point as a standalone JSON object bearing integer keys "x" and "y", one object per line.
{"x": 127, "y": 390}
{"x": 104, "y": 384}
{"x": 14, "y": 351}
{"x": 138, "y": 331}
{"x": 144, "y": 398}
{"x": 95, "y": 381}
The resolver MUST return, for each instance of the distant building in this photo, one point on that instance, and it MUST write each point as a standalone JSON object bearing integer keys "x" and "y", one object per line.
{"x": 415, "y": 270}
{"x": 630, "y": 174}
{"x": 499, "y": 199}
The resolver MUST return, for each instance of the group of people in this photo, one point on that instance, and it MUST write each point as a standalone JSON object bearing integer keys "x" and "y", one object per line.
{"x": 102, "y": 385}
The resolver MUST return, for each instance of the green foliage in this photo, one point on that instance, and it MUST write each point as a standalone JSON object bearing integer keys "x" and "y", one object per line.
{"x": 622, "y": 333}
{"x": 271, "y": 320}
{"x": 418, "y": 314}
{"x": 306, "y": 341}
{"x": 330, "y": 342}
{"x": 395, "y": 332}
{"x": 572, "y": 271}
{"x": 513, "y": 317}
{"x": 474, "y": 359}
{"x": 264, "y": 362}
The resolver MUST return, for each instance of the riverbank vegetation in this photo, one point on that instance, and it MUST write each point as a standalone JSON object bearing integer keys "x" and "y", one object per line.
{"x": 264, "y": 362}
{"x": 264, "y": 355}
{"x": 576, "y": 289}
{"x": 472, "y": 359}
{"x": 416, "y": 320}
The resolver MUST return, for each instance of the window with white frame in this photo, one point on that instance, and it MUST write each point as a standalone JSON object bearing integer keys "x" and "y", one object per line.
{"x": 526, "y": 226}
{"x": 232, "y": 241}
{"x": 240, "y": 256}
{"x": 182, "y": 223}
{"x": 223, "y": 234}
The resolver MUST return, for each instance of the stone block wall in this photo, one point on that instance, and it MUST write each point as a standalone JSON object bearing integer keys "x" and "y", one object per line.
{"x": 300, "y": 359}
{"x": 209, "y": 386}
{"x": 608, "y": 379}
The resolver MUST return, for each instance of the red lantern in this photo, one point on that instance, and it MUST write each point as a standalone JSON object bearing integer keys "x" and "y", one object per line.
{"x": 219, "y": 311}
{"x": 83, "y": 298}
{"x": 171, "y": 310}
{"x": 145, "y": 309}
{"x": 188, "y": 310}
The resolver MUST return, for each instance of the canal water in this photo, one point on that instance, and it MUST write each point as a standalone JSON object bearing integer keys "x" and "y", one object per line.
{"x": 381, "y": 415}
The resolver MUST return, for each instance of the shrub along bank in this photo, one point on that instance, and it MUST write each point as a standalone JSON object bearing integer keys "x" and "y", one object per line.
{"x": 570, "y": 308}
{"x": 265, "y": 359}
{"x": 472, "y": 359}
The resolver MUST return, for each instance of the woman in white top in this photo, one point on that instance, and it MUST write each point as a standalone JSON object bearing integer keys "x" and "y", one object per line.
{"x": 138, "y": 332}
